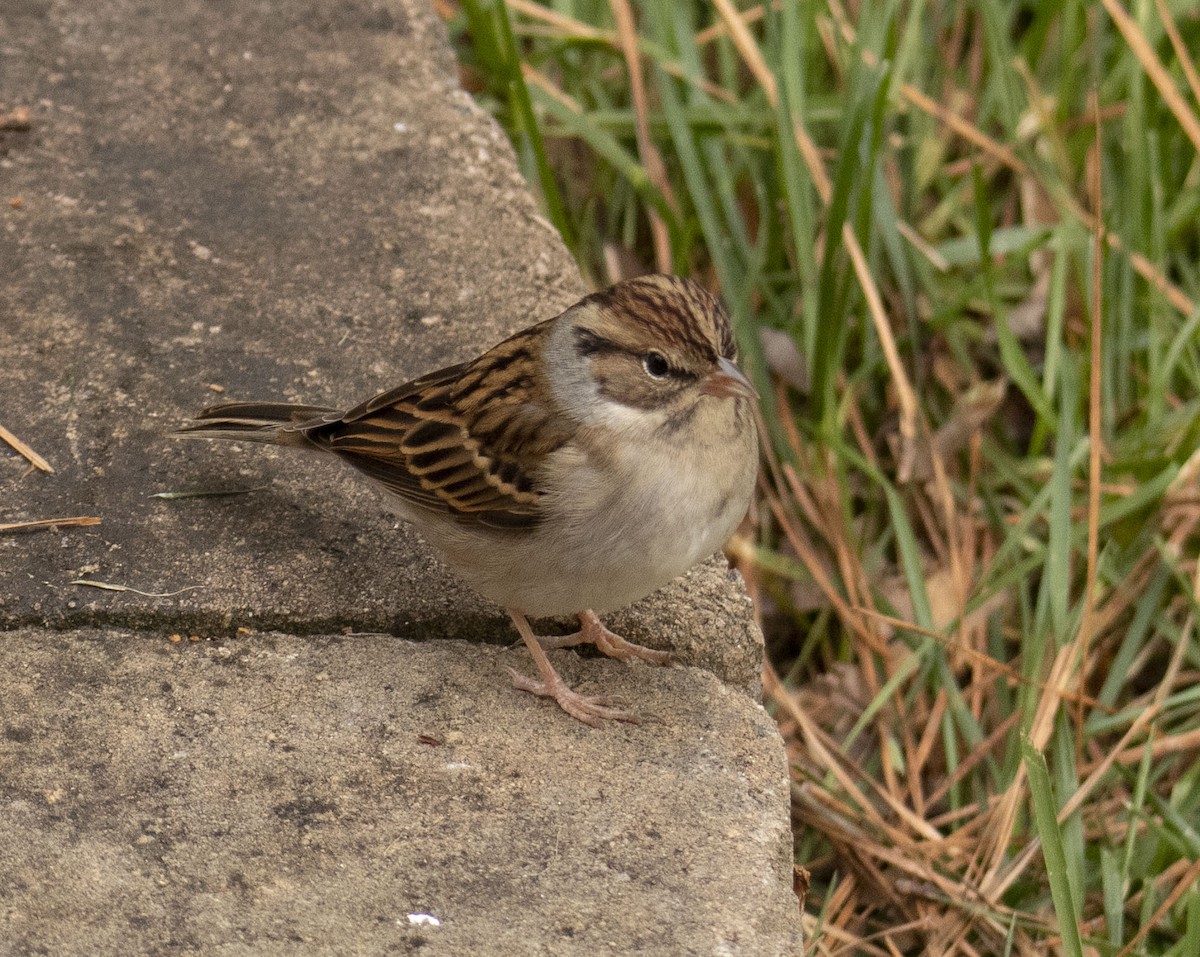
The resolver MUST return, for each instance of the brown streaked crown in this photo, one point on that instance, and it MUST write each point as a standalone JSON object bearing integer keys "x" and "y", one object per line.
{"x": 651, "y": 339}
{"x": 671, "y": 310}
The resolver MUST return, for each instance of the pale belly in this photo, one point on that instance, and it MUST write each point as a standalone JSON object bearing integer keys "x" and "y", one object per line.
{"x": 617, "y": 540}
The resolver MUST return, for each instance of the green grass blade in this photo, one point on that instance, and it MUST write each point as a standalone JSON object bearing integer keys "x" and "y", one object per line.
{"x": 1045, "y": 813}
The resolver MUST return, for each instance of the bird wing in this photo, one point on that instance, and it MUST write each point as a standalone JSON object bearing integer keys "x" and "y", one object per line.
{"x": 468, "y": 440}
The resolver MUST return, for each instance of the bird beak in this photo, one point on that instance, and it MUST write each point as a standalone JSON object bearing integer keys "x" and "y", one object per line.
{"x": 728, "y": 381}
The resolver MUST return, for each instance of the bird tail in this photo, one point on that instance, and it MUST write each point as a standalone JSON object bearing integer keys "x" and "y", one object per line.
{"x": 273, "y": 423}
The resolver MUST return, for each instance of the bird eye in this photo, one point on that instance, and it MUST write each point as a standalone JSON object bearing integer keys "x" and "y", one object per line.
{"x": 656, "y": 365}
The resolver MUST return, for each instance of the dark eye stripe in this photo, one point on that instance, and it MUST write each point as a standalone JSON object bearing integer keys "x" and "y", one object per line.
{"x": 682, "y": 375}
{"x": 591, "y": 343}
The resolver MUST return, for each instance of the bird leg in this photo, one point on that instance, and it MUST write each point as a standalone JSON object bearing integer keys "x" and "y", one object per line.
{"x": 592, "y": 632}
{"x": 590, "y": 711}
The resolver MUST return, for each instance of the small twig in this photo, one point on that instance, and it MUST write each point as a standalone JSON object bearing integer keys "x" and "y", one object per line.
{"x": 74, "y": 522}
{"x": 108, "y": 586}
{"x": 1095, "y": 439}
{"x": 208, "y": 493}
{"x": 36, "y": 460}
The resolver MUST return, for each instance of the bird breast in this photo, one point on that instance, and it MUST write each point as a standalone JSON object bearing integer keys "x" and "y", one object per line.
{"x": 622, "y": 519}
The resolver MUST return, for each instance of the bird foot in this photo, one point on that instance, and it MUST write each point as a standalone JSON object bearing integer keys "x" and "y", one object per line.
{"x": 591, "y": 711}
{"x": 592, "y": 632}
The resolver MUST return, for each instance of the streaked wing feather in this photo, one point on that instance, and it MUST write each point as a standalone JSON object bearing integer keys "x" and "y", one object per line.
{"x": 447, "y": 442}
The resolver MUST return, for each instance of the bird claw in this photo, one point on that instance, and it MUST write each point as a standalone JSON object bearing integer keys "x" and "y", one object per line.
{"x": 608, "y": 642}
{"x": 591, "y": 711}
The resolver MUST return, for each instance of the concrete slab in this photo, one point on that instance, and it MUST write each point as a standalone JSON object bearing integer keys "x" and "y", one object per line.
{"x": 278, "y": 794}
{"x": 294, "y": 200}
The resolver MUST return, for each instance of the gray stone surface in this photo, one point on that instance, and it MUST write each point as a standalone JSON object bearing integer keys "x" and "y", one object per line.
{"x": 294, "y": 200}
{"x": 275, "y": 794}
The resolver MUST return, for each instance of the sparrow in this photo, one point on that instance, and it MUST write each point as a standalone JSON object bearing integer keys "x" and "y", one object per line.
{"x": 572, "y": 469}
